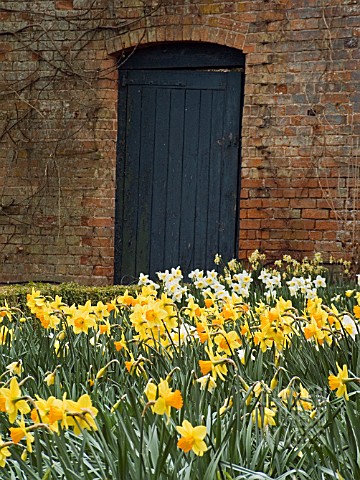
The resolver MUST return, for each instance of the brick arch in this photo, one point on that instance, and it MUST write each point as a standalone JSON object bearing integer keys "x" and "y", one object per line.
{"x": 178, "y": 33}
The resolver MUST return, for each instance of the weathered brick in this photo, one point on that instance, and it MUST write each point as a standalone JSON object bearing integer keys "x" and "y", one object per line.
{"x": 314, "y": 213}
{"x": 64, "y": 4}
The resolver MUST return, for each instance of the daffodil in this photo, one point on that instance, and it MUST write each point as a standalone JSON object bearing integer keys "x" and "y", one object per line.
{"x": 227, "y": 342}
{"x": 192, "y": 438}
{"x": 50, "y": 378}
{"x": 35, "y": 300}
{"x": 121, "y": 343}
{"x": 45, "y": 411}
{"x": 149, "y": 319}
{"x": 58, "y": 412}
{"x": 349, "y": 326}
{"x": 264, "y": 416}
{"x": 163, "y": 397}
{"x": 126, "y": 299}
{"x": 101, "y": 311}
{"x": 47, "y": 317}
{"x": 83, "y": 318}
{"x": 312, "y": 330}
{"x": 5, "y": 312}
{"x": 105, "y": 328}
{"x": 216, "y": 365}
{"x": 4, "y": 453}
{"x": 57, "y": 303}
{"x": 81, "y": 414}
{"x": 338, "y": 382}
{"x": 202, "y": 332}
{"x": 18, "y": 433}
{"x": 300, "y": 400}
{"x": 226, "y": 406}
{"x": 192, "y": 310}
{"x": 207, "y": 383}
{"x": 15, "y": 368}
{"x": 6, "y": 335}
{"x": 14, "y": 402}
{"x": 135, "y": 366}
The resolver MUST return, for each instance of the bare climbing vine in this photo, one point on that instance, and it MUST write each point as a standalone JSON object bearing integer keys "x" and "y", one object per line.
{"x": 43, "y": 119}
{"x": 343, "y": 198}
{"x": 341, "y": 192}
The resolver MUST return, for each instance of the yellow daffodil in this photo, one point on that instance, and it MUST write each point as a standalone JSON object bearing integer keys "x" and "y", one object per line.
{"x": 4, "y": 453}
{"x": 300, "y": 400}
{"x": 216, "y": 365}
{"x": 202, "y": 332}
{"x": 357, "y": 311}
{"x": 101, "y": 311}
{"x": 105, "y": 328}
{"x": 318, "y": 333}
{"x": 121, "y": 343}
{"x": 126, "y": 299}
{"x": 34, "y": 300}
{"x": 192, "y": 438}
{"x": 193, "y": 310}
{"x": 18, "y": 433}
{"x": 207, "y": 383}
{"x": 226, "y": 406}
{"x": 50, "y": 378}
{"x": 136, "y": 366}
{"x": 163, "y": 397}
{"x": 83, "y": 319}
{"x": 81, "y": 414}
{"x": 57, "y": 303}
{"x": 5, "y": 312}
{"x": 45, "y": 412}
{"x": 6, "y": 335}
{"x": 264, "y": 416}
{"x": 338, "y": 382}
{"x": 57, "y": 412}
{"x": 149, "y": 319}
{"x": 227, "y": 342}
{"x": 14, "y": 402}
{"x": 15, "y": 368}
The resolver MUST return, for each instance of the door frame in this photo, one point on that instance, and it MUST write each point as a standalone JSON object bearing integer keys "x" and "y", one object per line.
{"x": 171, "y": 56}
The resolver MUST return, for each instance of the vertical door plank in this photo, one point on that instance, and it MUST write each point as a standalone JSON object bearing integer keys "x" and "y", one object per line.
{"x": 147, "y": 129}
{"x": 174, "y": 183}
{"x": 189, "y": 172}
{"x": 230, "y": 167}
{"x": 159, "y": 180}
{"x": 120, "y": 180}
{"x": 214, "y": 188}
{"x": 202, "y": 184}
{"x": 131, "y": 184}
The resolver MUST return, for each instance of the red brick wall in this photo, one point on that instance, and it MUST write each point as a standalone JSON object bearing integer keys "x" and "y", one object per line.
{"x": 58, "y": 125}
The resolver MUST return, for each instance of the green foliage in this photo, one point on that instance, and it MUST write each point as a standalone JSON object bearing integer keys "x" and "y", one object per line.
{"x": 71, "y": 293}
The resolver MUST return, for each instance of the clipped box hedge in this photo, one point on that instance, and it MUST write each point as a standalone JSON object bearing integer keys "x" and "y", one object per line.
{"x": 15, "y": 295}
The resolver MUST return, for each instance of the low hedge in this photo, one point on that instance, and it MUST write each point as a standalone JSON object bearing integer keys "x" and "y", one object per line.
{"x": 15, "y": 295}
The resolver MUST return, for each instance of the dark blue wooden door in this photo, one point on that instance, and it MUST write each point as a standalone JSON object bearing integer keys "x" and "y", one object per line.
{"x": 178, "y": 174}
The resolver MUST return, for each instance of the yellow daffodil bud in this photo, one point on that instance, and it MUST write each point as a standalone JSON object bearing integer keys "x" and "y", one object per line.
{"x": 101, "y": 373}
{"x": 15, "y": 368}
{"x": 50, "y": 379}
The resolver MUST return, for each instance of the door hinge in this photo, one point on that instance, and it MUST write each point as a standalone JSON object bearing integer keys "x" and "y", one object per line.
{"x": 230, "y": 140}
{"x": 124, "y": 80}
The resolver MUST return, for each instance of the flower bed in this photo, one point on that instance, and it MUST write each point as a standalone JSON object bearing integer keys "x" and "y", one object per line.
{"x": 247, "y": 374}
